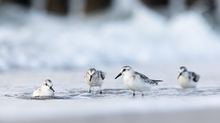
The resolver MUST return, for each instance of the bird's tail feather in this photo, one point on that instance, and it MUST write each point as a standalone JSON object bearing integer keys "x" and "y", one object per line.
{"x": 156, "y": 81}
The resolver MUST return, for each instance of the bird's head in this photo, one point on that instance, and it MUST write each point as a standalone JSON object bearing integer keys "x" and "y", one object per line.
{"x": 124, "y": 69}
{"x": 183, "y": 69}
{"x": 48, "y": 83}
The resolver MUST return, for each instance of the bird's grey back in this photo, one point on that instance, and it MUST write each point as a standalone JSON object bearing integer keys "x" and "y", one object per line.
{"x": 147, "y": 80}
{"x": 142, "y": 76}
{"x": 195, "y": 77}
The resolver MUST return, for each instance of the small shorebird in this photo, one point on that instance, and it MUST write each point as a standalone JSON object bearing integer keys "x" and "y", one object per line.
{"x": 46, "y": 89}
{"x": 136, "y": 81}
{"x": 187, "y": 79}
{"x": 94, "y": 78}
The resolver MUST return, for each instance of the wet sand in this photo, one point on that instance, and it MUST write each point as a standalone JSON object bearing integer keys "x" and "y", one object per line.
{"x": 166, "y": 103}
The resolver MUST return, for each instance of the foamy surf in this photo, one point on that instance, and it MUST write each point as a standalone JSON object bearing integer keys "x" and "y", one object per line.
{"x": 39, "y": 41}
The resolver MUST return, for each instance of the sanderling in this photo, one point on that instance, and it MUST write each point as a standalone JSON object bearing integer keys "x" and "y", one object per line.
{"x": 46, "y": 89}
{"x": 94, "y": 78}
{"x": 187, "y": 79}
{"x": 136, "y": 81}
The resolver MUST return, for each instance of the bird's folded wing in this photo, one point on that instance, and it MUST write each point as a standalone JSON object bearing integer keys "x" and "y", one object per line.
{"x": 142, "y": 76}
{"x": 195, "y": 77}
{"x": 102, "y": 75}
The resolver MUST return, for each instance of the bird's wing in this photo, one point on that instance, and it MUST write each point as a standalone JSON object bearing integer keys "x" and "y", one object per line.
{"x": 147, "y": 80}
{"x": 102, "y": 74}
{"x": 142, "y": 76}
{"x": 195, "y": 77}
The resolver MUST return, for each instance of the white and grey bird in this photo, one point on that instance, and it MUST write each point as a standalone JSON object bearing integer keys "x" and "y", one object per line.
{"x": 187, "y": 79}
{"x": 94, "y": 78}
{"x": 136, "y": 81}
{"x": 45, "y": 90}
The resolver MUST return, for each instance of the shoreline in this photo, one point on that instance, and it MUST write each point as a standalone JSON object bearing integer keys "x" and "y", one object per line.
{"x": 166, "y": 103}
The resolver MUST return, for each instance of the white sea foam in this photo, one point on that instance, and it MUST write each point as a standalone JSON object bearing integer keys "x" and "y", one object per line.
{"x": 34, "y": 40}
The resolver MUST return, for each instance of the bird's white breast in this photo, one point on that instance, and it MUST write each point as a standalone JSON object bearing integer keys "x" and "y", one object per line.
{"x": 185, "y": 82}
{"x": 43, "y": 91}
{"x": 95, "y": 81}
{"x": 133, "y": 82}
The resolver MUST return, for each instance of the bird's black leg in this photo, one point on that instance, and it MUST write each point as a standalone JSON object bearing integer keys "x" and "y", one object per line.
{"x": 133, "y": 93}
{"x": 100, "y": 90}
{"x": 90, "y": 91}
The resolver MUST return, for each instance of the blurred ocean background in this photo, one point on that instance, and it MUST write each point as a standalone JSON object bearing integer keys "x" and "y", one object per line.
{"x": 75, "y": 34}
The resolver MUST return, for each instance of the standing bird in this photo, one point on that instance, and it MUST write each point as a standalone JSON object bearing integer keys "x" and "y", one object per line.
{"x": 187, "y": 79}
{"x": 136, "y": 81}
{"x": 46, "y": 89}
{"x": 94, "y": 78}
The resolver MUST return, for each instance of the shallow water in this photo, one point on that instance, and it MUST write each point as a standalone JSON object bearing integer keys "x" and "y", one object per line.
{"x": 72, "y": 100}
{"x": 75, "y": 94}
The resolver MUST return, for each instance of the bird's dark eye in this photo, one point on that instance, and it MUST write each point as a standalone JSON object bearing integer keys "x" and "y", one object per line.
{"x": 123, "y": 70}
{"x": 46, "y": 84}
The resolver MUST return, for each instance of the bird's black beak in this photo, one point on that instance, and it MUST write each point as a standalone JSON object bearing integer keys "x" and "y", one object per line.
{"x": 90, "y": 78}
{"x": 51, "y": 88}
{"x": 118, "y": 75}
